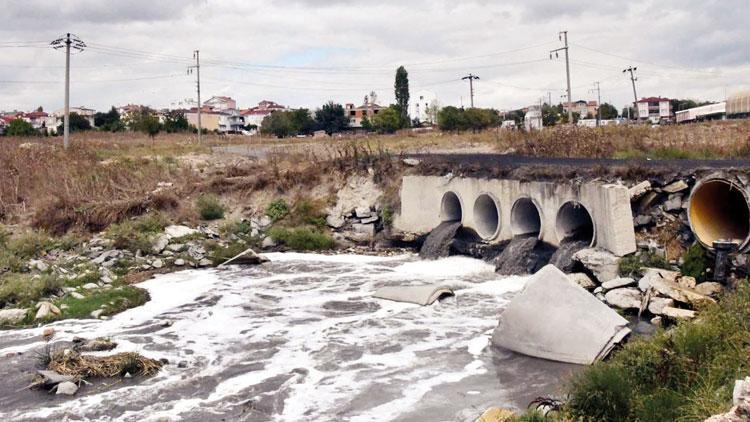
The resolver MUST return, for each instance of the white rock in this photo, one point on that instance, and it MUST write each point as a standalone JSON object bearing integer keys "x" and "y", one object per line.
{"x": 627, "y": 298}
{"x": 46, "y": 310}
{"x": 158, "y": 263}
{"x": 97, "y": 313}
{"x": 66, "y": 388}
{"x": 676, "y": 313}
{"x": 90, "y": 286}
{"x": 160, "y": 243}
{"x": 709, "y": 288}
{"x": 12, "y": 316}
{"x": 666, "y": 286}
{"x": 618, "y": 283}
{"x": 657, "y": 321}
{"x": 603, "y": 264}
{"x": 268, "y": 242}
{"x": 39, "y": 265}
{"x": 657, "y": 304}
{"x": 205, "y": 263}
{"x": 638, "y": 190}
{"x": 77, "y": 295}
{"x": 106, "y": 279}
{"x": 335, "y": 221}
{"x": 264, "y": 222}
{"x": 176, "y": 247}
{"x": 179, "y": 262}
{"x": 362, "y": 212}
{"x": 411, "y": 162}
{"x": 179, "y": 231}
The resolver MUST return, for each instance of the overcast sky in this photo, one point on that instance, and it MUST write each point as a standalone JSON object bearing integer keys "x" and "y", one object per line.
{"x": 303, "y": 53}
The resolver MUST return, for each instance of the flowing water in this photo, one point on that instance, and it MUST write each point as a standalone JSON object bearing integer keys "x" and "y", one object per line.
{"x": 298, "y": 339}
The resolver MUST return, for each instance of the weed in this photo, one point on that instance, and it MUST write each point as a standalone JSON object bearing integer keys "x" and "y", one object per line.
{"x": 114, "y": 300}
{"x": 695, "y": 263}
{"x": 631, "y": 265}
{"x": 25, "y": 290}
{"x": 220, "y": 254}
{"x": 301, "y": 238}
{"x": 277, "y": 209}
{"x": 386, "y": 216}
{"x": 210, "y": 207}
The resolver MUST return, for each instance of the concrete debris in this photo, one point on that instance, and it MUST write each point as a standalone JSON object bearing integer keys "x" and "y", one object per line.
{"x": 657, "y": 304}
{"x": 673, "y": 203}
{"x": 577, "y": 328}
{"x": 248, "y": 257}
{"x": 583, "y": 280}
{"x": 604, "y": 265}
{"x": 651, "y": 274}
{"x": 12, "y": 316}
{"x": 420, "y": 295}
{"x": 618, "y": 283}
{"x": 667, "y": 286}
{"x": 675, "y": 187}
{"x": 710, "y": 288}
{"x": 66, "y": 388}
{"x": 677, "y": 313}
{"x": 639, "y": 190}
{"x": 50, "y": 379}
{"x": 627, "y": 298}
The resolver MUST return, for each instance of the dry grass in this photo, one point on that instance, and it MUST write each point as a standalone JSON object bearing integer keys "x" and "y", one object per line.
{"x": 84, "y": 366}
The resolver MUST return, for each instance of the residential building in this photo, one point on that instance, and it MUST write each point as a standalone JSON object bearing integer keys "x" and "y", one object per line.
{"x": 255, "y": 115}
{"x": 231, "y": 121}
{"x": 583, "y": 108}
{"x": 220, "y": 103}
{"x": 424, "y": 107}
{"x": 38, "y": 119}
{"x": 654, "y": 109}
{"x": 209, "y": 118}
{"x": 355, "y": 114}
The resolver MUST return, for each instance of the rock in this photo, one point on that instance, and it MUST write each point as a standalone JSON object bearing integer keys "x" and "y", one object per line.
{"x": 657, "y": 321}
{"x": 39, "y": 265}
{"x": 583, "y": 280}
{"x": 618, "y": 283}
{"x": 657, "y": 304}
{"x": 268, "y": 242}
{"x": 366, "y": 229}
{"x": 709, "y": 288}
{"x": 411, "y": 162}
{"x": 158, "y": 263}
{"x": 362, "y": 212}
{"x": 264, "y": 222}
{"x": 335, "y": 222}
{"x": 90, "y": 286}
{"x": 643, "y": 220}
{"x": 248, "y": 257}
{"x": 496, "y": 414}
{"x": 639, "y": 190}
{"x": 370, "y": 220}
{"x": 176, "y": 247}
{"x": 341, "y": 241}
{"x": 675, "y": 187}
{"x": 100, "y": 344}
{"x": 182, "y": 364}
{"x": 741, "y": 392}
{"x": 66, "y": 388}
{"x": 51, "y": 378}
{"x": 160, "y": 243}
{"x": 627, "y": 298}
{"x": 106, "y": 279}
{"x": 686, "y": 281}
{"x": 669, "y": 288}
{"x": 647, "y": 201}
{"x": 196, "y": 251}
{"x": 677, "y": 313}
{"x": 673, "y": 203}
{"x": 48, "y": 333}
{"x": 12, "y": 316}
{"x": 76, "y": 295}
{"x": 46, "y": 310}
{"x": 604, "y": 265}
{"x": 205, "y": 262}
{"x": 651, "y": 274}
{"x": 97, "y": 313}
{"x": 179, "y": 231}
{"x": 179, "y": 262}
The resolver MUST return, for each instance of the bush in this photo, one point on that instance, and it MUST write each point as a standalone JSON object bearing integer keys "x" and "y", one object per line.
{"x": 683, "y": 374}
{"x": 277, "y": 209}
{"x": 138, "y": 234}
{"x": 695, "y": 263}
{"x": 25, "y": 290}
{"x": 210, "y": 207}
{"x": 221, "y": 254}
{"x": 302, "y": 238}
{"x": 631, "y": 265}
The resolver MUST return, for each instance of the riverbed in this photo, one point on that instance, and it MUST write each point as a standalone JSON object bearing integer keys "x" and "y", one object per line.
{"x": 298, "y": 339}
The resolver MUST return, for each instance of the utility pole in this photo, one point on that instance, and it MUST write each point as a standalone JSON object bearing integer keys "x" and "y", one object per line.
{"x": 471, "y": 79}
{"x": 632, "y": 70}
{"x": 197, "y": 67}
{"x": 68, "y": 42}
{"x": 599, "y": 103}
{"x": 563, "y": 36}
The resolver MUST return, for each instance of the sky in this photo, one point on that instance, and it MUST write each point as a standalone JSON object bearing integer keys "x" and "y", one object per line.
{"x": 302, "y": 53}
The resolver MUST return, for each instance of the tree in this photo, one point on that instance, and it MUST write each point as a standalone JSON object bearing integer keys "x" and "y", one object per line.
{"x": 401, "y": 86}
{"x": 608, "y": 111}
{"x": 175, "y": 121}
{"x": 331, "y": 118}
{"x": 301, "y": 122}
{"x": 138, "y": 120}
{"x": 388, "y": 120}
{"x": 277, "y": 124}
{"x": 109, "y": 121}
{"x": 18, "y": 127}
{"x": 150, "y": 126}
{"x": 478, "y": 119}
{"x": 366, "y": 124}
{"x": 450, "y": 118}
{"x": 78, "y": 123}
{"x": 628, "y": 112}
{"x": 550, "y": 115}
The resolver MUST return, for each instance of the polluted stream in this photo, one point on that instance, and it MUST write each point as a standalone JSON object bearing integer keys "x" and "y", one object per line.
{"x": 298, "y": 339}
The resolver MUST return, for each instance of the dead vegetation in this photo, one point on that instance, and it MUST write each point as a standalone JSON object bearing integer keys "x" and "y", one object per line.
{"x": 85, "y": 366}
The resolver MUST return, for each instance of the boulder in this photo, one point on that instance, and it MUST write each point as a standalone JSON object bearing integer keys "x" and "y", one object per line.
{"x": 158, "y": 263}
{"x": 709, "y": 288}
{"x": 627, "y": 298}
{"x": 248, "y": 257}
{"x": 603, "y": 264}
{"x": 677, "y": 313}
{"x": 268, "y": 242}
{"x": 686, "y": 281}
{"x": 179, "y": 262}
{"x": 46, "y": 310}
{"x": 618, "y": 283}
{"x": 583, "y": 280}
{"x": 651, "y": 274}
{"x": 76, "y": 295}
{"x": 12, "y": 316}
{"x": 335, "y": 221}
{"x": 675, "y": 187}
{"x": 497, "y": 414}
{"x": 97, "y": 313}
{"x": 639, "y": 190}
{"x": 657, "y": 304}
{"x": 66, "y": 388}
{"x": 160, "y": 243}
{"x": 673, "y": 203}
{"x": 179, "y": 231}
{"x": 664, "y": 282}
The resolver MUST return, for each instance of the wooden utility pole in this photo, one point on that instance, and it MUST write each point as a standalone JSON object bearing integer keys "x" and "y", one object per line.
{"x": 471, "y": 79}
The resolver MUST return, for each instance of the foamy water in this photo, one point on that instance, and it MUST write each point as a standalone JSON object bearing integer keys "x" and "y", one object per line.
{"x": 297, "y": 339}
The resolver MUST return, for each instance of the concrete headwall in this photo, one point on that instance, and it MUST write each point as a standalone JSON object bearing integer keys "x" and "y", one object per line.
{"x": 424, "y": 206}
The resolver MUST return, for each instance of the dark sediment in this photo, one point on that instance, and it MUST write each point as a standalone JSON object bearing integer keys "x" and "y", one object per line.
{"x": 523, "y": 255}
{"x": 563, "y": 257}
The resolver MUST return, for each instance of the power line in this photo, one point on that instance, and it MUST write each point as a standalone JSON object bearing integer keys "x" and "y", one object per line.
{"x": 630, "y": 59}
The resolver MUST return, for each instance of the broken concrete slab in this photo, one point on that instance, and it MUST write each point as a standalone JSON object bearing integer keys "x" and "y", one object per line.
{"x": 576, "y": 328}
{"x": 657, "y": 304}
{"x": 665, "y": 283}
{"x": 618, "y": 283}
{"x": 627, "y": 298}
{"x": 420, "y": 295}
{"x": 639, "y": 190}
{"x": 603, "y": 264}
{"x": 675, "y": 187}
{"x": 677, "y": 313}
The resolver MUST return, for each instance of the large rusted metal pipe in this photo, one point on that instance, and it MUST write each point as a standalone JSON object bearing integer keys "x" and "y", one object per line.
{"x": 719, "y": 211}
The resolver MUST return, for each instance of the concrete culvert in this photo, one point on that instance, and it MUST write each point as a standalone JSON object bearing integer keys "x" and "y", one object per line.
{"x": 573, "y": 222}
{"x": 450, "y": 208}
{"x": 525, "y": 218}
{"x": 486, "y": 216}
{"x": 719, "y": 210}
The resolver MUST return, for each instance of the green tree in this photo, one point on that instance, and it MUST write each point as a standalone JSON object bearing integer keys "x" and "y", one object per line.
{"x": 478, "y": 119}
{"x": 175, "y": 121}
{"x": 367, "y": 124}
{"x": 608, "y": 111}
{"x": 401, "y": 87}
{"x": 150, "y": 126}
{"x": 18, "y": 127}
{"x": 451, "y": 118}
{"x": 139, "y": 120}
{"x": 277, "y": 124}
{"x": 388, "y": 120}
{"x": 302, "y": 122}
{"x": 331, "y": 118}
{"x": 109, "y": 121}
{"x": 550, "y": 115}
{"x": 78, "y": 123}
{"x": 628, "y": 111}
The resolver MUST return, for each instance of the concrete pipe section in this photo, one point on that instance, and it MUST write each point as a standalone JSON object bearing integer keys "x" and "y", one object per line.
{"x": 719, "y": 210}
{"x": 525, "y": 218}
{"x": 487, "y": 216}
{"x": 450, "y": 208}
{"x": 573, "y": 222}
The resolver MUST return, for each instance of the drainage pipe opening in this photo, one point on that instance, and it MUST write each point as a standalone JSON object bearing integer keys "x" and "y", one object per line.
{"x": 525, "y": 218}
{"x": 486, "y": 216}
{"x": 450, "y": 208}
{"x": 719, "y": 210}
{"x": 573, "y": 222}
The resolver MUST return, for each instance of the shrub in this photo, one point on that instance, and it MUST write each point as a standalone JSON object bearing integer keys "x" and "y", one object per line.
{"x": 631, "y": 265}
{"x": 137, "y": 234}
{"x": 277, "y": 209}
{"x": 301, "y": 238}
{"x": 25, "y": 290}
{"x": 386, "y": 215}
{"x": 308, "y": 212}
{"x": 210, "y": 207}
{"x": 695, "y": 263}
{"x": 221, "y": 254}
